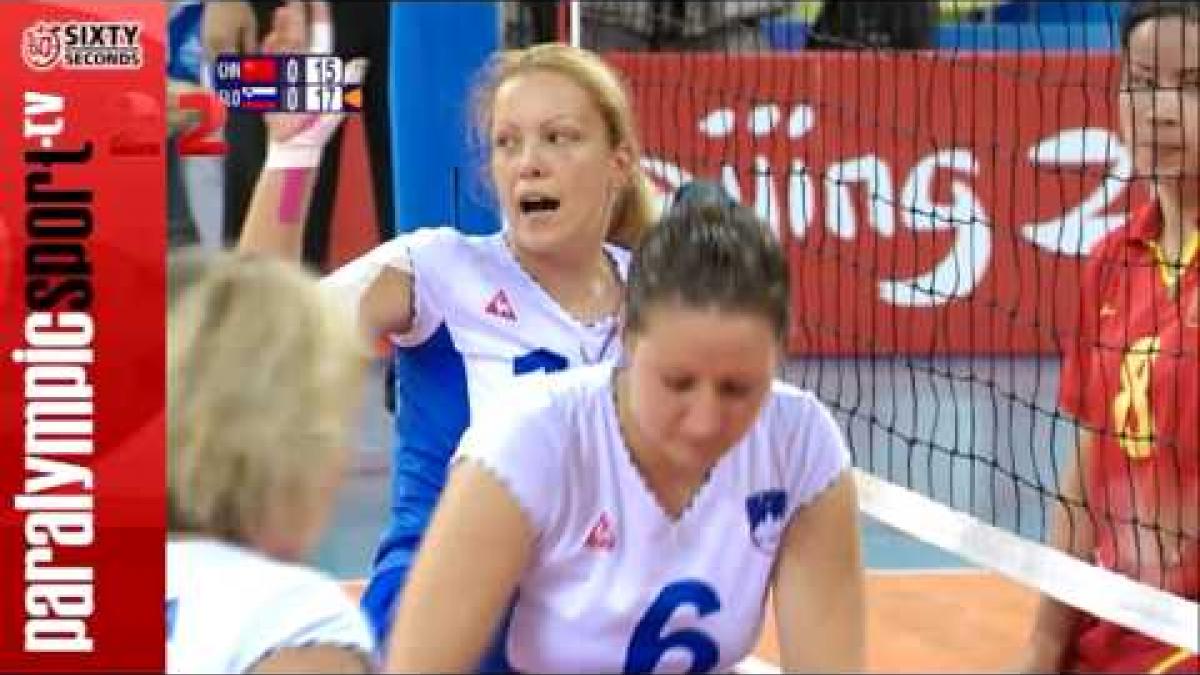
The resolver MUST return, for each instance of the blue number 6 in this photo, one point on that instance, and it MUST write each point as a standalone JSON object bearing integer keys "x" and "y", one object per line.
{"x": 539, "y": 359}
{"x": 648, "y": 645}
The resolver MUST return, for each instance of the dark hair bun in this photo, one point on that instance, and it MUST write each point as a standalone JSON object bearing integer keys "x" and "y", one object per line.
{"x": 701, "y": 193}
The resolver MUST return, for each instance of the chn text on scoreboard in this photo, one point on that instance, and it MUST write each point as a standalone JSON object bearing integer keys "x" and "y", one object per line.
{"x": 287, "y": 83}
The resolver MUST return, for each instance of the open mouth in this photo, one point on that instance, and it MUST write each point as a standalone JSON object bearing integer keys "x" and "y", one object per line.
{"x": 532, "y": 205}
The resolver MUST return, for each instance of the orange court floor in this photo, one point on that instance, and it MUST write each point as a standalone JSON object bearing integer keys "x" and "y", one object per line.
{"x": 936, "y": 621}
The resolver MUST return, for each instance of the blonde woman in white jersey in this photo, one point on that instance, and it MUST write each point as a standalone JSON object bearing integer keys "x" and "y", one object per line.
{"x": 633, "y": 518}
{"x": 262, "y": 376}
{"x": 467, "y": 315}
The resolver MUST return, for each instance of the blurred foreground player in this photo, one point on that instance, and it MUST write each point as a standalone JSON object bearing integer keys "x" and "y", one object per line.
{"x": 262, "y": 375}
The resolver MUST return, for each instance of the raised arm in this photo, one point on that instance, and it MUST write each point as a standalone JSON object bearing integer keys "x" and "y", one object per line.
{"x": 470, "y": 562}
{"x": 275, "y": 218}
{"x": 819, "y": 585}
{"x": 295, "y": 142}
{"x": 379, "y": 285}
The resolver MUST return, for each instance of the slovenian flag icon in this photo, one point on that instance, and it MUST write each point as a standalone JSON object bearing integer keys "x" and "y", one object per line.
{"x": 260, "y": 98}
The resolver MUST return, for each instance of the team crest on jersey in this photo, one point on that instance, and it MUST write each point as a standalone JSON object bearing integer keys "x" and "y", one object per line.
{"x": 602, "y": 536}
{"x": 765, "y": 511}
{"x": 500, "y": 306}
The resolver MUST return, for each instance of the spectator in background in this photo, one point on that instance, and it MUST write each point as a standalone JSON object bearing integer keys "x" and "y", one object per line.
{"x": 360, "y": 29}
{"x": 858, "y": 24}
{"x": 529, "y": 22}
{"x": 654, "y": 25}
{"x": 181, "y": 226}
{"x": 183, "y": 76}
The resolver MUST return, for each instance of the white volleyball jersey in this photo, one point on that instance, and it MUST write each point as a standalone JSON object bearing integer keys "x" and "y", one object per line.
{"x": 479, "y": 322}
{"x": 499, "y": 320}
{"x": 616, "y": 584}
{"x": 228, "y": 607}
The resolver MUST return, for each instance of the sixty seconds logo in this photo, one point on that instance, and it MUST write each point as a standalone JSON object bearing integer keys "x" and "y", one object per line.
{"x": 83, "y": 45}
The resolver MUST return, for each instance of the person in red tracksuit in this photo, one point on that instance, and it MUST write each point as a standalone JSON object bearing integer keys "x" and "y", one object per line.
{"x": 1131, "y": 376}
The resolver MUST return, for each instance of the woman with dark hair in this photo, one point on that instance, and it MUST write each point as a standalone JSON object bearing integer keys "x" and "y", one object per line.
{"x": 633, "y": 517}
{"x": 1131, "y": 376}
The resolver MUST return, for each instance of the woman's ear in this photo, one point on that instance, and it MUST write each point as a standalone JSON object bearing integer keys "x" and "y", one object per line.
{"x": 623, "y": 164}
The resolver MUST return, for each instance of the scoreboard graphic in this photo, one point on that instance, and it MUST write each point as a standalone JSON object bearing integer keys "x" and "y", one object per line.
{"x": 297, "y": 83}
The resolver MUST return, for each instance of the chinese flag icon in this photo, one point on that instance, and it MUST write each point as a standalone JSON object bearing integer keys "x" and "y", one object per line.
{"x": 260, "y": 70}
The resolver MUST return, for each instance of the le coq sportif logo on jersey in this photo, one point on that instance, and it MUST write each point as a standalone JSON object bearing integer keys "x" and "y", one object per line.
{"x": 603, "y": 535}
{"x": 499, "y": 306}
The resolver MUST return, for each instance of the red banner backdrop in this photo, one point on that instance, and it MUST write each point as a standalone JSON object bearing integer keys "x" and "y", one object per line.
{"x": 932, "y": 202}
{"x": 82, "y": 242}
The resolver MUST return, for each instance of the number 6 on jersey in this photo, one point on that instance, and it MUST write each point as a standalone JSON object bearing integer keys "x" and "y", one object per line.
{"x": 648, "y": 645}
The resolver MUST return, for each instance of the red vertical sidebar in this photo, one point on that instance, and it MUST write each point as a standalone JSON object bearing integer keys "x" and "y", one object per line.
{"x": 82, "y": 248}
